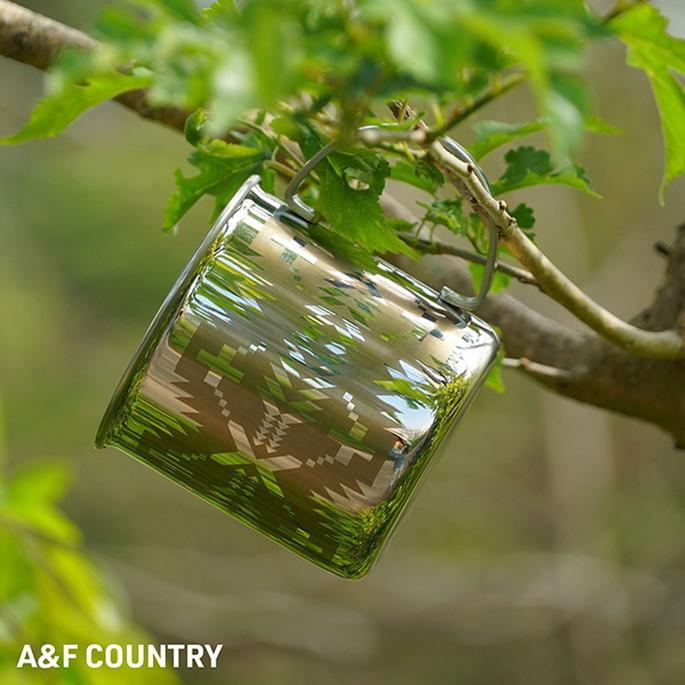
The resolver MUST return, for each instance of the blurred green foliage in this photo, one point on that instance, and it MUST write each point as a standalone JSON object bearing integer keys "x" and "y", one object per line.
{"x": 49, "y": 592}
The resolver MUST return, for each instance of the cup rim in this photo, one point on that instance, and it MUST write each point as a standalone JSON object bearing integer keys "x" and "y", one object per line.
{"x": 161, "y": 321}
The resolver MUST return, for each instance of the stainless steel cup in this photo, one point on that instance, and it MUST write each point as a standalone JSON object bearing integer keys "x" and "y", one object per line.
{"x": 295, "y": 391}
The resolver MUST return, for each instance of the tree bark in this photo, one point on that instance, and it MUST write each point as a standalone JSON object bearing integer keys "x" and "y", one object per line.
{"x": 33, "y": 39}
{"x": 581, "y": 364}
{"x": 577, "y": 364}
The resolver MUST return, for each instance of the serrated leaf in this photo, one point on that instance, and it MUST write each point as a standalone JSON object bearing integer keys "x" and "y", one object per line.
{"x": 523, "y": 160}
{"x": 658, "y": 54}
{"x": 181, "y": 9}
{"x": 401, "y": 225}
{"x": 528, "y": 166}
{"x": 493, "y": 134}
{"x": 361, "y": 165}
{"x": 566, "y": 108}
{"x": 430, "y": 172}
{"x": 447, "y": 213}
{"x": 366, "y": 167}
{"x": 413, "y": 175}
{"x": 645, "y": 26}
{"x": 220, "y": 9}
{"x": 524, "y": 215}
{"x": 223, "y": 168}
{"x": 356, "y": 214}
{"x": 342, "y": 247}
{"x": 57, "y": 111}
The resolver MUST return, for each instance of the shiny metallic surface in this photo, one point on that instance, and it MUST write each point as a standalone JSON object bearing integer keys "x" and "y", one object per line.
{"x": 449, "y": 296}
{"x": 294, "y": 390}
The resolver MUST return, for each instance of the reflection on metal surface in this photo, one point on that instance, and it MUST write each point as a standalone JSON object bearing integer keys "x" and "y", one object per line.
{"x": 295, "y": 391}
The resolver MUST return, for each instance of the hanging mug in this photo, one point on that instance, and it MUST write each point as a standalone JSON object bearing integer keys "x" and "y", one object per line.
{"x": 295, "y": 391}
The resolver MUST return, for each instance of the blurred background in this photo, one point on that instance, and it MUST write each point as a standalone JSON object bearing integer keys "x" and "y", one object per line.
{"x": 548, "y": 543}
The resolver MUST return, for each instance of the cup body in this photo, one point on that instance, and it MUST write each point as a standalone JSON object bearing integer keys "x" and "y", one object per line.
{"x": 295, "y": 391}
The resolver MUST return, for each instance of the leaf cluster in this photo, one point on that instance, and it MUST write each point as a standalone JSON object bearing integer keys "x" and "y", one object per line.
{"x": 270, "y": 82}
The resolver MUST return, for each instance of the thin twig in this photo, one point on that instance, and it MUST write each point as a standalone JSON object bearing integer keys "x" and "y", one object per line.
{"x": 439, "y": 248}
{"x": 281, "y": 168}
{"x": 540, "y": 372}
{"x": 501, "y": 85}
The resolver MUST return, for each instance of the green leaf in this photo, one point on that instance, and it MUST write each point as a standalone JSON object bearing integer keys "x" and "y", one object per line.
{"x": 268, "y": 179}
{"x": 365, "y": 168}
{"x": 546, "y": 39}
{"x": 342, "y": 247}
{"x": 57, "y": 111}
{"x": 43, "y": 483}
{"x": 223, "y": 168}
{"x": 494, "y": 379}
{"x": 181, "y": 9}
{"x": 223, "y": 150}
{"x": 272, "y": 39}
{"x": 447, "y": 213}
{"x": 30, "y": 499}
{"x": 659, "y": 55}
{"x": 524, "y": 216}
{"x": 493, "y": 134}
{"x": 122, "y": 24}
{"x": 595, "y": 124}
{"x": 194, "y": 128}
{"x": 529, "y": 166}
{"x": 412, "y": 43}
{"x": 420, "y": 175}
{"x": 363, "y": 165}
{"x": 500, "y": 281}
{"x": 527, "y": 159}
{"x": 357, "y": 214}
{"x": 644, "y": 26}
{"x": 219, "y": 10}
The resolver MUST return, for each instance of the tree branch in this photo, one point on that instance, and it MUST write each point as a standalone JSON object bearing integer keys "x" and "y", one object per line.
{"x": 33, "y": 39}
{"x": 667, "y": 344}
{"x": 498, "y": 87}
{"x": 436, "y": 247}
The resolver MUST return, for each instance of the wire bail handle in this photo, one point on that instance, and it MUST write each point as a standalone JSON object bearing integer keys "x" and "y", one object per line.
{"x": 303, "y": 210}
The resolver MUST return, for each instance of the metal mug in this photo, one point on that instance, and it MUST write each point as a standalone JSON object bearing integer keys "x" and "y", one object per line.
{"x": 293, "y": 390}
